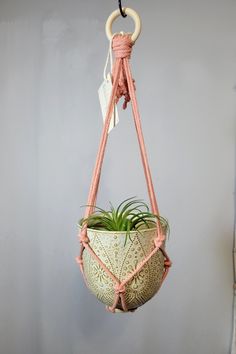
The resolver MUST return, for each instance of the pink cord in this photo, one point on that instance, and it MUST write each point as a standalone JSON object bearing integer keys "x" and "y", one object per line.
{"x": 123, "y": 85}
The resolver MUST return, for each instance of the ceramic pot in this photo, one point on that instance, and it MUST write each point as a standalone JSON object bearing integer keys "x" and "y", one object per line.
{"x": 121, "y": 259}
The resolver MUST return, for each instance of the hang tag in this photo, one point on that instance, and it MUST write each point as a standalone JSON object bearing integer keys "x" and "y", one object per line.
{"x": 104, "y": 93}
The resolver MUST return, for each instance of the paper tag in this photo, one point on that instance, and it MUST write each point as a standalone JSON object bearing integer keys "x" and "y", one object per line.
{"x": 104, "y": 93}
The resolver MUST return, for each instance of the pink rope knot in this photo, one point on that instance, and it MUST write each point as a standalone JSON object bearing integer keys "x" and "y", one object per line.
{"x": 122, "y": 47}
{"x": 167, "y": 263}
{"x": 79, "y": 260}
{"x": 119, "y": 289}
{"x": 158, "y": 242}
{"x": 84, "y": 238}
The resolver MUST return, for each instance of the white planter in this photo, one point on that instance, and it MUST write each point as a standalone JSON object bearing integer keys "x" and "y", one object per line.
{"x": 121, "y": 259}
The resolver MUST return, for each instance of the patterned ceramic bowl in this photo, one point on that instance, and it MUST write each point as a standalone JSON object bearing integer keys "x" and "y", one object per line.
{"x": 121, "y": 259}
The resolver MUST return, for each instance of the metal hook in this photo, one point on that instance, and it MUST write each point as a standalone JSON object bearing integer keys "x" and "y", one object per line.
{"x": 123, "y": 14}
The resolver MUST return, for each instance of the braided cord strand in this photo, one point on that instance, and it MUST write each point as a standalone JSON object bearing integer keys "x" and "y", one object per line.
{"x": 84, "y": 240}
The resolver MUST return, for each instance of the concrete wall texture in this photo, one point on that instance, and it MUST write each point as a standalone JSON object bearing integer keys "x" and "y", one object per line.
{"x": 51, "y": 63}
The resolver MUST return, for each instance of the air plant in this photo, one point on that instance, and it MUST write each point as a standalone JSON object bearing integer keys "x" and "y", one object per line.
{"x": 130, "y": 215}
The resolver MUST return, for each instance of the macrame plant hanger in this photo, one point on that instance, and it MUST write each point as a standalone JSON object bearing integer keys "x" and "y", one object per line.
{"x": 122, "y": 85}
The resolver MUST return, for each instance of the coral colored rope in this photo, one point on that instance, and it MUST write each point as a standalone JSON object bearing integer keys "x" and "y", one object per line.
{"x": 123, "y": 85}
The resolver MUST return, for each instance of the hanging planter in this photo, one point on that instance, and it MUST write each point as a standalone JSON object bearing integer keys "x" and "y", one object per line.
{"x": 122, "y": 238}
{"x": 122, "y": 254}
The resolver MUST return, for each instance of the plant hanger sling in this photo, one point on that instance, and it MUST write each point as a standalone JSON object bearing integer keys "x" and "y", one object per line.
{"x": 122, "y": 85}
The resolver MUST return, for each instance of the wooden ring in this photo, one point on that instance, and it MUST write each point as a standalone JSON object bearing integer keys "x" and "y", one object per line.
{"x": 113, "y": 16}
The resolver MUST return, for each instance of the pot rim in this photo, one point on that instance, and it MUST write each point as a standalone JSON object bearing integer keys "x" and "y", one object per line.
{"x": 119, "y": 232}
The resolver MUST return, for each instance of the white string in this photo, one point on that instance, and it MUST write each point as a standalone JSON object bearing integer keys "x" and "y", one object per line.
{"x": 109, "y": 55}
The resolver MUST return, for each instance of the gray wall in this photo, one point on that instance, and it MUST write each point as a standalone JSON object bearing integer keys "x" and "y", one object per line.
{"x": 51, "y": 62}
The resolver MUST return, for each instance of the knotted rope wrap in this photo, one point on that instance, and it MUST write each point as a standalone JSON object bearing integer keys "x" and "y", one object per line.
{"x": 123, "y": 85}
{"x": 122, "y": 47}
